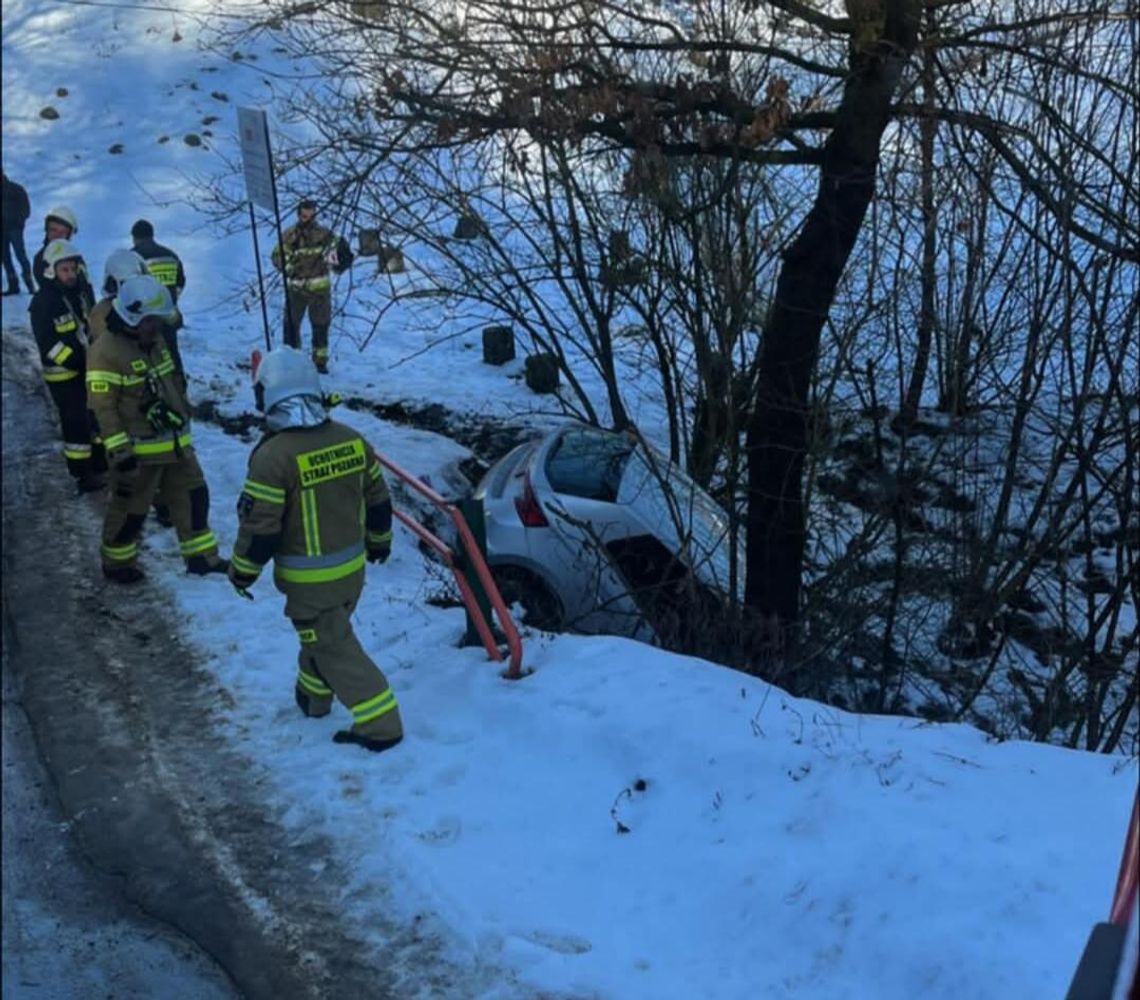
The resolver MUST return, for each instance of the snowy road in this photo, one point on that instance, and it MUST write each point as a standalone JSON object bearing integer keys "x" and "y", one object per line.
{"x": 163, "y": 874}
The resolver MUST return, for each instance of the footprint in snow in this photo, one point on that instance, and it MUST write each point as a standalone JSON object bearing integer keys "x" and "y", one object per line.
{"x": 444, "y": 833}
{"x": 564, "y": 944}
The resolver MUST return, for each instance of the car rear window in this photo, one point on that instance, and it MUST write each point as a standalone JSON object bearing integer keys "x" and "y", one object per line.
{"x": 587, "y": 462}
{"x": 496, "y": 479}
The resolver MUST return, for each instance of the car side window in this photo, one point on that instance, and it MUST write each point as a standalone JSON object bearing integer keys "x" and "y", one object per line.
{"x": 588, "y": 463}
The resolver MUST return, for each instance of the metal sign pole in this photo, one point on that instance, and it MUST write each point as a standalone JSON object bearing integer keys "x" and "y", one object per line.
{"x": 260, "y": 279}
{"x": 281, "y": 242}
{"x": 261, "y": 187}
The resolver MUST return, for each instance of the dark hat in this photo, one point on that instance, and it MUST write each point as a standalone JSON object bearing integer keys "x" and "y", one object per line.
{"x": 307, "y": 203}
{"x": 142, "y": 230}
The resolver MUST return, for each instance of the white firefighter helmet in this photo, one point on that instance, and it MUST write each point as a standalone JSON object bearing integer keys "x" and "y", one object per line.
{"x": 122, "y": 264}
{"x": 56, "y": 251}
{"x": 61, "y": 213}
{"x": 142, "y": 296}
{"x": 283, "y": 373}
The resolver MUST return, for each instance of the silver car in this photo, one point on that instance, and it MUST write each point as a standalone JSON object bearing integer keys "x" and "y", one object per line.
{"x": 593, "y": 531}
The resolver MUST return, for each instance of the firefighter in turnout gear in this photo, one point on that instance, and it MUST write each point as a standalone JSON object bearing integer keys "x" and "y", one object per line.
{"x": 144, "y": 417}
{"x": 59, "y": 316}
{"x": 165, "y": 265}
{"x": 122, "y": 264}
{"x": 60, "y": 224}
{"x": 315, "y": 502}
{"x": 305, "y": 255}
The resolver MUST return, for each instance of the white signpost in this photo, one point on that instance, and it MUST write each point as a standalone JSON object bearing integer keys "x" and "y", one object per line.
{"x": 257, "y": 161}
{"x": 260, "y": 186}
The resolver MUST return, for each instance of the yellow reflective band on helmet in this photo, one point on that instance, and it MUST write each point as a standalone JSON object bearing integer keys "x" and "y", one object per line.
{"x": 247, "y": 567}
{"x": 55, "y": 374}
{"x": 120, "y": 553}
{"x": 307, "y": 635}
{"x": 199, "y": 543}
{"x": 310, "y": 523}
{"x": 76, "y": 451}
{"x": 161, "y": 447}
{"x": 110, "y": 378}
{"x": 312, "y": 684}
{"x": 263, "y": 491}
{"x": 323, "y": 574}
{"x": 116, "y": 440}
{"x": 373, "y": 708}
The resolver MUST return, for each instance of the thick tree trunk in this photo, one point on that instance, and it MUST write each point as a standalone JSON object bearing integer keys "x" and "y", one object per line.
{"x": 883, "y": 38}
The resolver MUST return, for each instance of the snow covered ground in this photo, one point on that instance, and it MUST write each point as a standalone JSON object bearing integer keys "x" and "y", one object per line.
{"x": 623, "y": 822}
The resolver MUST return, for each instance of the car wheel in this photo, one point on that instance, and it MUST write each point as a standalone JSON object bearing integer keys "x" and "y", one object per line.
{"x": 541, "y": 607}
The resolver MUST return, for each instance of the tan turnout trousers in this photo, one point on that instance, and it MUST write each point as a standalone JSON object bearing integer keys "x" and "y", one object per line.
{"x": 332, "y": 662}
{"x": 183, "y": 489}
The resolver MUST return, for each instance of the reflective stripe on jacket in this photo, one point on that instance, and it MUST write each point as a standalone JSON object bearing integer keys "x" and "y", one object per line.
{"x": 310, "y": 497}
{"x": 304, "y": 260}
{"x": 59, "y": 324}
{"x": 163, "y": 264}
{"x": 123, "y": 380}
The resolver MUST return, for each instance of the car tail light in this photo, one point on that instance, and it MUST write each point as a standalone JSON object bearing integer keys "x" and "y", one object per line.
{"x": 530, "y": 511}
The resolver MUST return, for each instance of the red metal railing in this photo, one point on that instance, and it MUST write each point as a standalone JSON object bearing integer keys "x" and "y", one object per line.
{"x": 1127, "y": 881}
{"x": 514, "y": 670}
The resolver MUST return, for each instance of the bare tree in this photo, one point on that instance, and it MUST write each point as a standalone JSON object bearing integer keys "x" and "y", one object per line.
{"x": 557, "y": 112}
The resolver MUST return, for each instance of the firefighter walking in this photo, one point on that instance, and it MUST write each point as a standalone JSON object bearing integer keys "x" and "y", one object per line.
{"x": 59, "y": 316}
{"x": 305, "y": 255}
{"x": 315, "y": 502}
{"x": 144, "y": 417}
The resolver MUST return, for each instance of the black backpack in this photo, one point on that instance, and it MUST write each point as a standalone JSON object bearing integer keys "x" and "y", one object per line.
{"x": 344, "y": 257}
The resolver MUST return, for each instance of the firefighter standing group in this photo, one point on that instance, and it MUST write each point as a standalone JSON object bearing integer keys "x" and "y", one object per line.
{"x": 315, "y": 502}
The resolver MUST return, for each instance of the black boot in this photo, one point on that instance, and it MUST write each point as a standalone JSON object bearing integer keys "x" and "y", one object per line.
{"x": 376, "y": 746}
{"x": 124, "y": 574}
{"x": 302, "y": 701}
{"x": 204, "y": 565}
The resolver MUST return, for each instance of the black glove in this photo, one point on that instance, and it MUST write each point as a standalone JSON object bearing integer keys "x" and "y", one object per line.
{"x": 162, "y": 418}
{"x": 241, "y": 582}
{"x": 378, "y": 552}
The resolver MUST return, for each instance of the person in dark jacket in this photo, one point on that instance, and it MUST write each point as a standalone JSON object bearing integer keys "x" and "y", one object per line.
{"x": 59, "y": 312}
{"x": 165, "y": 265}
{"x": 16, "y": 212}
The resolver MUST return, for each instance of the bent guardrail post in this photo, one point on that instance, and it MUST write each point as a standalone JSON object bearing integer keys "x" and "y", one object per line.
{"x": 477, "y": 563}
{"x": 471, "y": 511}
